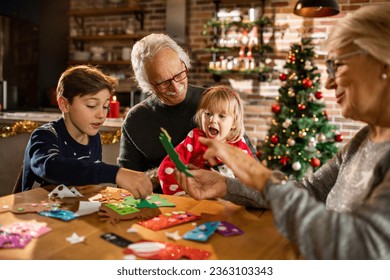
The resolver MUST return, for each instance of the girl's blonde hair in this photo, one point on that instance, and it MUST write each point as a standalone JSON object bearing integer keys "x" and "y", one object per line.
{"x": 220, "y": 98}
{"x": 368, "y": 28}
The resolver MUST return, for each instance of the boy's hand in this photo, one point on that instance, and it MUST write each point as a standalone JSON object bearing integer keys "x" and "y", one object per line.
{"x": 135, "y": 182}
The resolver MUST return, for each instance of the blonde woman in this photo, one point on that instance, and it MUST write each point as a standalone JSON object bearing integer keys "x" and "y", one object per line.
{"x": 342, "y": 210}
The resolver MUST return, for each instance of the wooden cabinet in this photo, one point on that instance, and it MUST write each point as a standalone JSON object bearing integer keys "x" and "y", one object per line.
{"x": 21, "y": 65}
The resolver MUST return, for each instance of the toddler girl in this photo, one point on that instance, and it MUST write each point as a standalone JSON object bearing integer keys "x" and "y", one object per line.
{"x": 220, "y": 116}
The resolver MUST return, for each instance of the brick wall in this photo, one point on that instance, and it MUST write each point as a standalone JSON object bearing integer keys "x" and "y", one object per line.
{"x": 258, "y": 96}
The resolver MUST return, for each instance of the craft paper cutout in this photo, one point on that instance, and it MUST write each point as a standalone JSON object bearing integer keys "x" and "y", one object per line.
{"x": 146, "y": 204}
{"x": 112, "y": 196}
{"x": 121, "y": 208}
{"x": 59, "y": 214}
{"x": 130, "y": 257}
{"x": 227, "y": 229}
{"x": 159, "y": 201}
{"x": 75, "y": 238}
{"x": 173, "y": 235}
{"x": 19, "y": 234}
{"x": 165, "y": 140}
{"x": 202, "y": 232}
{"x": 116, "y": 239}
{"x": 109, "y": 215}
{"x": 132, "y": 230}
{"x": 152, "y": 201}
{"x": 169, "y": 220}
{"x": 87, "y": 207}
{"x": 22, "y": 208}
{"x": 63, "y": 191}
{"x": 11, "y": 240}
{"x": 146, "y": 249}
{"x": 170, "y": 251}
{"x": 32, "y": 228}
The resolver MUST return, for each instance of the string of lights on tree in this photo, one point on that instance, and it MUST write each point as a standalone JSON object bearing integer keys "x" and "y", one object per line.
{"x": 300, "y": 138}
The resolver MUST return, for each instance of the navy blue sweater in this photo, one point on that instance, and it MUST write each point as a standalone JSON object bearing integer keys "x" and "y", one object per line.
{"x": 53, "y": 157}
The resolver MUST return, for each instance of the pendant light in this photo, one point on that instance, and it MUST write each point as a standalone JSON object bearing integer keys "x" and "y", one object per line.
{"x": 316, "y": 8}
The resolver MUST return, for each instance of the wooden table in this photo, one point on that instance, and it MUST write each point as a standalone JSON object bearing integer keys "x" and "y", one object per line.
{"x": 261, "y": 239}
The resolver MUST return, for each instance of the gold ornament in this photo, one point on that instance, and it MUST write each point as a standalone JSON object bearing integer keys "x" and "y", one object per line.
{"x": 110, "y": 137}
{"x": 293, "y": 76}
{"x": 302, "y": 134}
{"x": 291, "y": 142}
{"x": 18, "y": 127}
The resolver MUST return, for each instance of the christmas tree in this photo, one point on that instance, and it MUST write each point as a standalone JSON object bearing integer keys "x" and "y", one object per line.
{"x": 300, "y": 138}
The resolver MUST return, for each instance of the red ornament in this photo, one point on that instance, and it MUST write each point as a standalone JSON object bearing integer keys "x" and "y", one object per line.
{"x": 315, "y": 162}
{"x": 284, "y": 160}
{"x": 326, "y": 115}
{"x": 301, "y": 107}
{"x": 338, "y": 138}
{"x": 307, "y": 83}
{"x": 274, "y": 139}
{"x": 282, "y": 77}
{"x": 275, "y": 108}
{"x": 318, "y": 94}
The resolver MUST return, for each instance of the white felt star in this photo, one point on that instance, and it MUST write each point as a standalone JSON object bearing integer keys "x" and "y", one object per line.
{"x": 173, "y": 235}
{"x": 75, "y": 238}
{"x": 132, "y": 230}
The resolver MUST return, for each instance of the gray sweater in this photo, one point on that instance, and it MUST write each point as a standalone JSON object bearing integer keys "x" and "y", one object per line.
{"x": 318, "y": 214}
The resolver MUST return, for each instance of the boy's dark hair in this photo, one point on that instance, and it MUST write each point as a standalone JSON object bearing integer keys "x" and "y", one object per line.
{"x": 82, "y": 80}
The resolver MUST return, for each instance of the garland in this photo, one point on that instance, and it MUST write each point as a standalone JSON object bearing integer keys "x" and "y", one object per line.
{"x": 20, "y": 127}
{"x": 110, "y": 137}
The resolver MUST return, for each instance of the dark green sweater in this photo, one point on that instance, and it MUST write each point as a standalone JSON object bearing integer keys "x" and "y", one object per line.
{"x": 140, "y": 147}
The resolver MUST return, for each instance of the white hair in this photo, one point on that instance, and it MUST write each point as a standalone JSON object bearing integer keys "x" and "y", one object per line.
{"x": 146, "y": 49}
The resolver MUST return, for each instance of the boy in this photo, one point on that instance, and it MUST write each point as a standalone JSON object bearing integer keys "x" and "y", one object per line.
{"x": 69, "y": 151}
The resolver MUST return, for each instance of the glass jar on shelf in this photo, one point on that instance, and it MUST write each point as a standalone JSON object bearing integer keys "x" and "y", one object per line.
{"x": 130, "y": 26}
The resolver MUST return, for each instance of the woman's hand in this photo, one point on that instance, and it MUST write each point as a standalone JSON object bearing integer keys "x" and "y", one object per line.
{"x": 135, "y": 182}
{"x": 205, "y": 184}
{"x": 248, "y": 170}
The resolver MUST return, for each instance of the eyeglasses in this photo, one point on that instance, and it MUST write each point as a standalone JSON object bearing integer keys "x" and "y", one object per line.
{"x": 167, "y": 83}
{"x": 332, "y": 66}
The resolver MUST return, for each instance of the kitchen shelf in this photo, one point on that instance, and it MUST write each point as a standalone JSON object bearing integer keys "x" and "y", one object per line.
{"x": 105, "y": 11}
{"x": 108, "y": 37}
{"x": 79, "y": 15}
{"x": 113, "y": 41}
{"x": 99, "y": 62}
